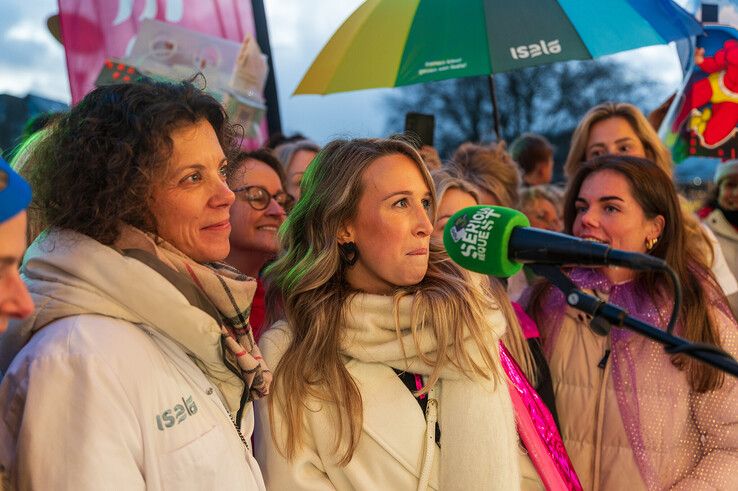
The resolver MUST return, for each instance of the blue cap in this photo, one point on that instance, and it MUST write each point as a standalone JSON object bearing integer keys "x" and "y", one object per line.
{"x": 15, "y": 193}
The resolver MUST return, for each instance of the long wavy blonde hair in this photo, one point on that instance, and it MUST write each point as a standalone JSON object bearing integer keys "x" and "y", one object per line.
{"x": 308, "y": 287}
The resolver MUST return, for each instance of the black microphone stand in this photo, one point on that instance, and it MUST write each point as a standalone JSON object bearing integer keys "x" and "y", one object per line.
{"x": 599, "y": 309}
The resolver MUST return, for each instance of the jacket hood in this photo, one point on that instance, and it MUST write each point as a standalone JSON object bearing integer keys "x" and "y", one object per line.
{"x": 69, "y": 274}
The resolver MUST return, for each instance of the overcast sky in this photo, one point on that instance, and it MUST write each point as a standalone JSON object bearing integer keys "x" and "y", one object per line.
{"x": 31, "y": 60}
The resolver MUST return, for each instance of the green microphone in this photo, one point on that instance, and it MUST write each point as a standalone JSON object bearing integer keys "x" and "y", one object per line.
{"x": 476, "y": 238}
{"x": 497, "y": 241}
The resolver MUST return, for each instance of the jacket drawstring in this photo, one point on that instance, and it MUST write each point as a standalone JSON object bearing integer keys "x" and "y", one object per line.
{"x": 431, "y": 417}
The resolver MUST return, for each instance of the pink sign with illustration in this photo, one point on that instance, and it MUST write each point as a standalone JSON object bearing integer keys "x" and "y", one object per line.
{"x": 94, "y": 30}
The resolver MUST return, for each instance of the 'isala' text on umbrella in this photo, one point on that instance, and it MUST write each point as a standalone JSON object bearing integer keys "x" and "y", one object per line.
{"x": 534, "y": 50}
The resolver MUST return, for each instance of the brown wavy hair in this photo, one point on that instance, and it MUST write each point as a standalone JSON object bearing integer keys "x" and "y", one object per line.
{"x": 655, "y": 151}
{"x": 654, "y": 191}
{"x": 98, "y": 165}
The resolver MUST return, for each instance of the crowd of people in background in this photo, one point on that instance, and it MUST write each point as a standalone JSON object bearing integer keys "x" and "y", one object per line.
{"x": 288, "y": 318}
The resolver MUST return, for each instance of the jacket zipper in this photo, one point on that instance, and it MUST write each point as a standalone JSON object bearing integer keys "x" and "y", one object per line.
{"x": 238, "y": 430}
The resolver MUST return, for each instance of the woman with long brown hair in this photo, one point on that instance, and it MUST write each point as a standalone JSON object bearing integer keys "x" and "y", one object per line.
{"x": 618, "y": 128}
{"x": 386, "y": 369}
{"x": 633, "y": 417}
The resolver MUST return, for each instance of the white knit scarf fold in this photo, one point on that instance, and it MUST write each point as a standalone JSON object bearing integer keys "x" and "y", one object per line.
{"x": 480, "y": 445}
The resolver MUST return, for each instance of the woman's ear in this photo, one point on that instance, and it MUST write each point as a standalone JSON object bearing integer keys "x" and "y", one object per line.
{"x": 657, "y": 226}
{"x": 345, "y": 233}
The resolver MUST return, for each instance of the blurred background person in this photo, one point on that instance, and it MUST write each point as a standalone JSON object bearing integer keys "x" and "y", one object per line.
{"x": 521, "y": 340}
{"x": 385, "y": 344}
{"x": 453, "y": 194}
{"x": 534, "y": 155}
{"x": 260, "y": 208}
{"x": 491, "y": 170}
{"x": 720, "y": 212}
{"x": 139, "y": 340}
{"x": 612, "y": 389}
{"x": 23, "y": 163}
{"x": 430, "y": 157}
{"x": 295, "y": 157}
{"x": 15, "y": 195}
{"x": 622, "y": 129}
{"x": 540, "y": 208}
{"x": 496, "y": 177}
{"x": 538, "y": 204}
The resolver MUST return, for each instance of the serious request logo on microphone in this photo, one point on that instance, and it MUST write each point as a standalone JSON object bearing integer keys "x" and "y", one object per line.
{"x": 473, "y": 232}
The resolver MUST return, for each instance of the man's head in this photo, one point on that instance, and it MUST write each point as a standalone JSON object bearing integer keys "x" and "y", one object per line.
{"x": 15, "y": 195}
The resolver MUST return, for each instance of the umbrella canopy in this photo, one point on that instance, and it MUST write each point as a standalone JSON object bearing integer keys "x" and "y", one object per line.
{"x": 389, "y": 43}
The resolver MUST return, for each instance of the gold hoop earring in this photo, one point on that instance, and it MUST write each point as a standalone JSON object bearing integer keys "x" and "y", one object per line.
{"x": 651, "y": 243}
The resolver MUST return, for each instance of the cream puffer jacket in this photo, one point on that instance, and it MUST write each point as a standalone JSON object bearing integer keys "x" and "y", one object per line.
{"x": 727, "y": 237}
{"x": 593, "y": 429}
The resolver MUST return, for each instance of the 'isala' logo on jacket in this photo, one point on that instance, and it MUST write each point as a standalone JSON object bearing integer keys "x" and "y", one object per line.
{"x": 532, "y": 50}
{"x": 177, "y": 414}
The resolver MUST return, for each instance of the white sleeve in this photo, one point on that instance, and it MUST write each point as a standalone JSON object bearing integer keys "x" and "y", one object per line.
{"x": 67, "y": 423}
{"x": 305, "y": 471}
{"x": 721, "y": 270}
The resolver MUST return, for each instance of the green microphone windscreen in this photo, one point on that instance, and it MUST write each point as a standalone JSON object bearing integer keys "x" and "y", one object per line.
{"x": 476, "y": 238}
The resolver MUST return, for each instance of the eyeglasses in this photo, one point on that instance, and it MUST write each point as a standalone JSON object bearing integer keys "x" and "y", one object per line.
{"x": 259, "y": 198}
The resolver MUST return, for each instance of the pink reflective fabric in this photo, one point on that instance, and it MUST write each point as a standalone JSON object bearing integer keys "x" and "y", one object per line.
{"x": 528, "y": 325}
{"x": 537, "y": 430}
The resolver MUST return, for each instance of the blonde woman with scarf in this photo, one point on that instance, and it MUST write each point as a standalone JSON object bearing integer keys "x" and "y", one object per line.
{"x": 388, "y": 372}
{"x": 138, "y": 369}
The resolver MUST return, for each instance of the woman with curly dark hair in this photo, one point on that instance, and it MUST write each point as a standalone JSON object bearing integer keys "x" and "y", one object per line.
{"x": 139, "y": 366}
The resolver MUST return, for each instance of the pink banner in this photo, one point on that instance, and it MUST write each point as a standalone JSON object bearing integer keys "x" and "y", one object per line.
{"x": 94, "y": 30}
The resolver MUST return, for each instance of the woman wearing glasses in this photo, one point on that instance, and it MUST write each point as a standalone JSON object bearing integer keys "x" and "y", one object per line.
{"x": 261, "y": 206}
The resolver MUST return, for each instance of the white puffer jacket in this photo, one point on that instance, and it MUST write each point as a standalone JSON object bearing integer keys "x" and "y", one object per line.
{"x": 103, "y": 396}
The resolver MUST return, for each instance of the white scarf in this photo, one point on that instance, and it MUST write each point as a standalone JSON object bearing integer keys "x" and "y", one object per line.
{"x": 480, "y": 443}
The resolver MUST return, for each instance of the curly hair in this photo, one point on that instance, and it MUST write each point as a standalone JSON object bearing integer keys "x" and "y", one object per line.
{"x": 99, "y": 164}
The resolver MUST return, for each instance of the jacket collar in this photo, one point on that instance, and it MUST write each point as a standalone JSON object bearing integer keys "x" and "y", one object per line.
{"x": 720, "y": 225}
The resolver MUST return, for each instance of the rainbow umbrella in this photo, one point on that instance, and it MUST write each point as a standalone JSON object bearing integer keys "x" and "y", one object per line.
{"x": 390, "y": 43}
